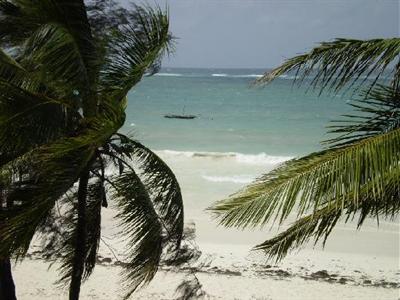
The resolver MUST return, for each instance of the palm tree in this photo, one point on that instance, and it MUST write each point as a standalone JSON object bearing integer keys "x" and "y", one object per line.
{"x": 65, "y": 72}
{"x": 358, "y": 172}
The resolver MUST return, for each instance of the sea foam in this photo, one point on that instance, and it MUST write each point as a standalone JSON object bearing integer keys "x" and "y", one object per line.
{"x": 251, "y": 159}
{"x": 169, "y": 74}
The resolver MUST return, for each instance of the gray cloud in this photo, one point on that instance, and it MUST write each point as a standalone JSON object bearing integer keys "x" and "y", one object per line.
{"x": 261, "y": 33}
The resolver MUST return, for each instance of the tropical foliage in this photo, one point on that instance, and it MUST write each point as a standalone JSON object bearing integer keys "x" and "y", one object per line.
{"x": 65, "y": 71}
{"x": 357, "y": 175}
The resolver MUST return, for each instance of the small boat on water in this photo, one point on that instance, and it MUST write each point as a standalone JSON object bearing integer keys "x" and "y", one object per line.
{"x": 180, "y": 116}
{"x": 185, "y": 117}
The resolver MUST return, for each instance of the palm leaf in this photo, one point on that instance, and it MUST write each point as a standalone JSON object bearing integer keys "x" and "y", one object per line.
{"x": 134, "y": 50}
{"x": 140, "y": 225}
{"x": 342, "y": 61}
{"x": 47, "y": 173}
{"x": 56, "y": 170}
{"x": 378, "y": 112}
{"x": 320, "y": 223}
{"x": 28, "y": 119}
{"x": 56, "y": 36}
{"x": 159, "y": 179}
{"x": 66, "y": 241}
{"x": 53, "y": 48}
{"x": 313, "y": 181}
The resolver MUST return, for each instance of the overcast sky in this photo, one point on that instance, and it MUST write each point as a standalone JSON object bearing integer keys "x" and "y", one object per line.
{"x": 262, "y": 33}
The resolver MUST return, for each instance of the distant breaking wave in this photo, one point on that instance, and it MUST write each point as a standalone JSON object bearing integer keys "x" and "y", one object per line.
{"x": 209, "y": 75}
{"x": 237, "y": 76}
{"x": 251, "y": 159}
{"x": 169, "y": 74}
{"x": 225, "y": 75}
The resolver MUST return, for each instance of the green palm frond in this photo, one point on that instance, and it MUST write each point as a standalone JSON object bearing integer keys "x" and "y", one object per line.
{"x": 28, "y": 120}
{"x": 57, "y": 168}
{"x": 63, "y": 242}
{"x": 135, "y": 48}
{"x": 319, "y": 224}
{"x": 378, "y": 112}
{"x": 48, "y": 173}
{"x": 141, "y": 227}
{"x": 53, "y": 48}
{"x": 159, "y": 179}
{"x": 8, "y": 66}
{"x": 313, "y": 181}
{"x": 342, "y": 61}
{"x": 96, "y": 194}
{"x": 53, "y": 38}
{"x": 58, "y": 114}
{"x": 15, "y": 24}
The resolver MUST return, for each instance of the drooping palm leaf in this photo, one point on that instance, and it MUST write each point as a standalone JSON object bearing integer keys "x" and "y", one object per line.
{"x": 141, "y": 227}
{"x": 159, "y": 179}
{"x": 35, "y": 196}
{"x": 342, "y": 61}
{"x": 319, "y": 223}
{"x": 65, "y": 241}
{"x": 310, "y": 182}
{"x": 63, "y": 112}
{"x": 47, "y": 173}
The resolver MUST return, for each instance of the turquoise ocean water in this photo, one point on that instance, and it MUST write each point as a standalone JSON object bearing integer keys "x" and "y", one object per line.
{"x": 241, "y": 132}
{"x": 233, "y": 116}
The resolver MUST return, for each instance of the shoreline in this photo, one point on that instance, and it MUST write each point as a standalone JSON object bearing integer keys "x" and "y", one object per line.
{"x": 270, "y": 282}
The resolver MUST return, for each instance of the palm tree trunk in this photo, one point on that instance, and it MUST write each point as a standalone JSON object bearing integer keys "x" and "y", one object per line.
{"x": 7, "y": 287}
{"x": 79, "y": 256}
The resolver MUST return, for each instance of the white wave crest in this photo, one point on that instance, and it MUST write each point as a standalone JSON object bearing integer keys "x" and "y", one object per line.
{"x": 248, "y": 76}
{"x": 237, "y": 75}
{"x": 219, "y": 75}
{"x": 252, "y": 159}
{"x": 168, "y": 74}
{"x": 242, "y": 179}
{"x": 260, "y": 159}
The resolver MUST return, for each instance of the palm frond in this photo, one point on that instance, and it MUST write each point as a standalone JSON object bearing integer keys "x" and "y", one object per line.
{"x": 314, "y": 225}
{"x": 96, "y": 195}
{"x": 161, "y": 182}
{"x": 136, "y": 47}
{"x": 50, "y": 32}
{"x": 319, "y": 224}
{"x": 28, "y": 119}
{"x": 313, "y": 181}
{"x": 334, "y": 64}
{"x": 15, "y": 23}
{"x": 8, "y": 66}
{"x": 50, "y": 172}
{"x": 54, "y": 50}
{"x": 65, "y": 242}
{"x": 378, "y": 112}
{"x": 141, "y": 227}
{"x": 47, "y": 173}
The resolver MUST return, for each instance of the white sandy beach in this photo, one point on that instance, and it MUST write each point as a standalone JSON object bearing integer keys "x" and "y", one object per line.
{"x": 354, "y": 265}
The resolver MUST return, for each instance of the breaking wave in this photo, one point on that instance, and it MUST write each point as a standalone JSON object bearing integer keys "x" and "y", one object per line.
{"x": 251, "y": 159}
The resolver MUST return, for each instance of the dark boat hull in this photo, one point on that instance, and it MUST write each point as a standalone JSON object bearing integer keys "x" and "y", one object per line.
{"x": 184, "y": 117}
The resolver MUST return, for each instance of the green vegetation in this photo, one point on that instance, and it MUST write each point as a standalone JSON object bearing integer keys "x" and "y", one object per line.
{"x": 357, "y": 175}
{"x": 65, "y": 71}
